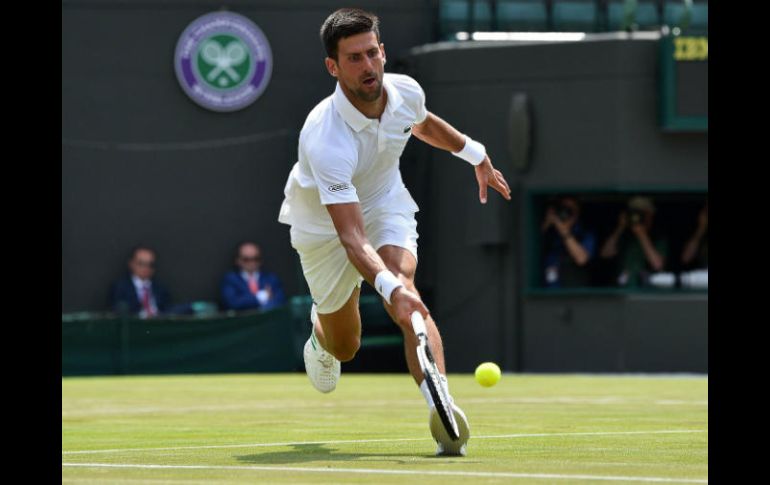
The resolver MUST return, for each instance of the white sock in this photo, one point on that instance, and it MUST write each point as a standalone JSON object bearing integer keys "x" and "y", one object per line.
{"x": 314, "y": 313}
{"x": 446, "y": 383}
{"x": 314, "y": 341}
{"x": 313, "y": 320}
{"x": 426, "y": 392}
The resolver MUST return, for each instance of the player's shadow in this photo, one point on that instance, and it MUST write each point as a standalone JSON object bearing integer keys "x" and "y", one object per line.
{"x": 319, "y": 452}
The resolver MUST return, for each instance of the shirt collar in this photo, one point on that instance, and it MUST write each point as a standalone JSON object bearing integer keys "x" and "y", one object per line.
{"x": 394, "y": 97}
{"x": 355, "y": 118}
{"x": 246, "y": 275}
{"x": 349, "y": 113}
{"x": 140, "y": 283}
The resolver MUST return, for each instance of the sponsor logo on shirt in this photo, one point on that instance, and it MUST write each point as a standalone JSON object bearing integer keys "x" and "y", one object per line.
{"x": 338, "y": 187}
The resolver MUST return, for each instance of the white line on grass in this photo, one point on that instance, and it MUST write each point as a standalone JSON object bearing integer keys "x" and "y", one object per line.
{"x": 606, "y": 400}
{"x": 393, "y": 472}
{"x": 386, "y": 440}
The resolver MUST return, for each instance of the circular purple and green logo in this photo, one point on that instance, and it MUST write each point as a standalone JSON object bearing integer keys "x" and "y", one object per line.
{"x": 223, "y": 61}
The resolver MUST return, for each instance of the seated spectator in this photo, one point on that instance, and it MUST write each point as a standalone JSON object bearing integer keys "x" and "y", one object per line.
{"x": 138, "y": 293}
{"x": 568, "y": 245}
{"x": 247, "y": 287}
{"x": 637, "y": 253}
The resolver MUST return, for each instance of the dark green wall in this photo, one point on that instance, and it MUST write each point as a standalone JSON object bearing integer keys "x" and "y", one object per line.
{"x": 594, "y": 126}
{"x": 142, "y": 163}
{"x": 253, "y": 341}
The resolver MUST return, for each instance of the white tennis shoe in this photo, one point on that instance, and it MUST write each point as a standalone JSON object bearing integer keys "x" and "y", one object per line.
{"x": 321, "y": 367}
{"x": 447, "y": 446}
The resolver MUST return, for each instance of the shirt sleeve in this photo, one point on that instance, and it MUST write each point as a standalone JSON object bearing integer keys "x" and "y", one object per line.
{"x": 413, "y": 95}
{"x": 421, "y": 111}
{"x": 332, "y": 163}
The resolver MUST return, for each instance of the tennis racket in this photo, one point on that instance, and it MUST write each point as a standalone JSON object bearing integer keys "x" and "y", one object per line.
{"x": 436, "y": 386}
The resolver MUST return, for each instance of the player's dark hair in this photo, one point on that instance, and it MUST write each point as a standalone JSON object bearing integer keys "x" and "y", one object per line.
{"x": 346, "y": 22}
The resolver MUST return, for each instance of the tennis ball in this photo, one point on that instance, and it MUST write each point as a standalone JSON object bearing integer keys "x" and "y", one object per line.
{"x": 487, "y": 374}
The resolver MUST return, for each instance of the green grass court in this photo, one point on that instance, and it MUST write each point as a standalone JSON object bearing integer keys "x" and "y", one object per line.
{"x": 275, "y": 428}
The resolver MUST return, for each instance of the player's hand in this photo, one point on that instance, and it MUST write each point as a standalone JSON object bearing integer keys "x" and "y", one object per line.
{"x": 487, "y": 175}
{"x": 404, "y": 302}
{"x": 563, "y": 227}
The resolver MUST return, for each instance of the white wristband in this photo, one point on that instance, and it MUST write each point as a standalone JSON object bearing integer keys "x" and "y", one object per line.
{"x": 473, "y": 152}
{"x": 385, "y": 282}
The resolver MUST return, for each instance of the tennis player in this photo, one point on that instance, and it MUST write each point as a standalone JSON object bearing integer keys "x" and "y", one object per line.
{"x": 351, "y": 217}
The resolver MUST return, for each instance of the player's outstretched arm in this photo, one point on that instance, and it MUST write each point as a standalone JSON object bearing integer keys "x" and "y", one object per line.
{"x": 349, "y": 223}
{"x": 438, "y": 133}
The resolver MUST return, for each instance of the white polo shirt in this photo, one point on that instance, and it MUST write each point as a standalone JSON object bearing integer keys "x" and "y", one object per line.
{"x": 346, "y": 157}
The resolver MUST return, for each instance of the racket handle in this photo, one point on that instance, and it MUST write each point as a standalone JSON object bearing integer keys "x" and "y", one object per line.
{"x": 418, "y": 324}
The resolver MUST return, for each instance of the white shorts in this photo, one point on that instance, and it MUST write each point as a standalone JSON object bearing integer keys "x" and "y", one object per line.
{"x": 329, "y": 273}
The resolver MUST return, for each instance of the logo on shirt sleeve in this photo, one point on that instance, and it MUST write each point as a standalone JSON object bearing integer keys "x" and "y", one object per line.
{"x": 338, "y": 187}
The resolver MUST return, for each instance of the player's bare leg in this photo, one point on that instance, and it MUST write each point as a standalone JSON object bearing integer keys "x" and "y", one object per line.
{"x": 340, "y": 332}
{"x": 403, "y": 264}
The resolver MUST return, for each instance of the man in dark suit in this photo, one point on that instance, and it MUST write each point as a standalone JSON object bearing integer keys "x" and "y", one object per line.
{"x": 138, "y": 293}
{"x": 247, "y": 286}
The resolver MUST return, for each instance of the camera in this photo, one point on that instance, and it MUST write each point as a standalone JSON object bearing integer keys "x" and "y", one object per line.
{"x": 635, "y": 216}
{"x": 564, "y": 213}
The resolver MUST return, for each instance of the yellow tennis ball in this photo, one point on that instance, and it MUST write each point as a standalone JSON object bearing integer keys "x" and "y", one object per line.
{"x": 487, "y": 374}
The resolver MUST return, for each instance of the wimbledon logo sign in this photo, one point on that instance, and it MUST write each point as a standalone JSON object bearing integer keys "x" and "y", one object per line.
{"x": 223, "y": 61}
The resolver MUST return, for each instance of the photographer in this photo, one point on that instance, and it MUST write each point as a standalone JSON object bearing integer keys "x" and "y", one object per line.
{"x": 568, "y": 246}
{"x": 639, "y": 252}
{"x": 695, "y": 253}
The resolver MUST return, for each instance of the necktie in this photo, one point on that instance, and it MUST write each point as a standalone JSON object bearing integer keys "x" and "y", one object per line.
{"x": 146, "y": 300}
{"x": 253, "y": 285}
